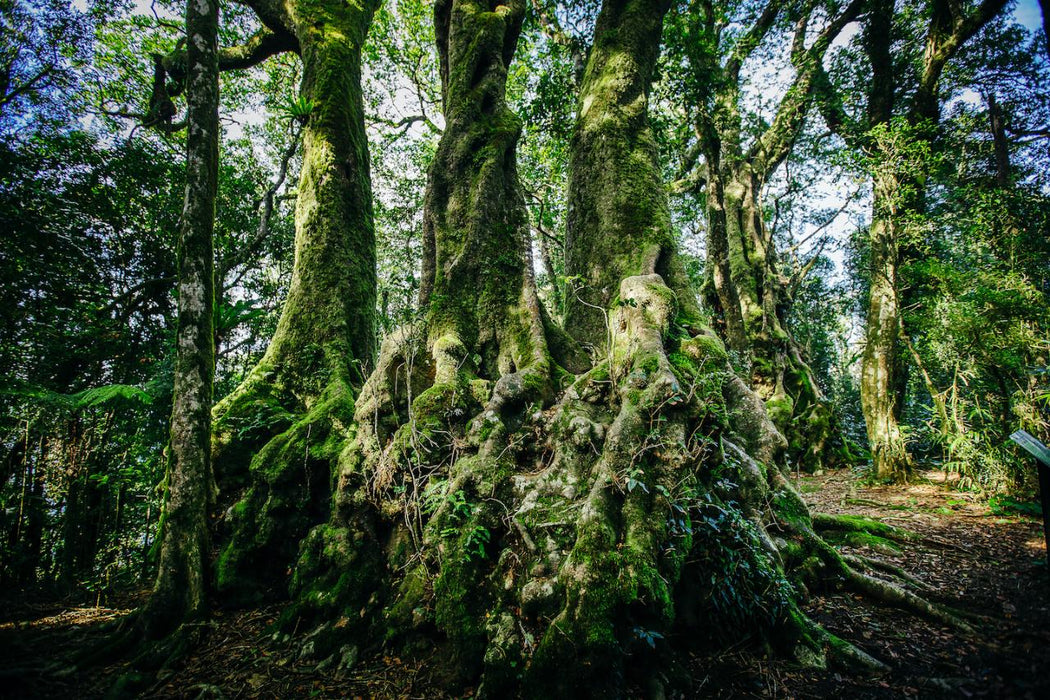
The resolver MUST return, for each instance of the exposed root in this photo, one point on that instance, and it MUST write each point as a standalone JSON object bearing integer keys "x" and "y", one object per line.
{"x": 856, "y": 523}
{"x": 882, "y": 591}
{"x": 830, "y": 649}
{"x": 891, "y": 594}
{"x": 149, "y": 651}
{"x": 863, "y": 563}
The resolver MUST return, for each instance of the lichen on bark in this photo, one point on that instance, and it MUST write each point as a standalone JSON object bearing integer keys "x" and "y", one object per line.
{"x": 180, "y": 592}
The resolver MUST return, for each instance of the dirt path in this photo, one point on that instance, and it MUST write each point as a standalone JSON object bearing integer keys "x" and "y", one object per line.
{"x": 987, "y": 565}
{"x": 984, "y": 564}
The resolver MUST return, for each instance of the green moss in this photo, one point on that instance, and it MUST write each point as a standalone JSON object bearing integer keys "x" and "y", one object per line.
{"x": 865, "y": 539}
{"x": 857, "y": 523}
{"x": 789, "y": 507}
{"x": 780, "y": 408}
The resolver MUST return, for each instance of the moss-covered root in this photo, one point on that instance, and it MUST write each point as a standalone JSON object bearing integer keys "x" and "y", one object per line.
{"x": 877, "y": 589}
{"x": 861, "y": 563}
{"x": 148, "y": 650}
{"x": 618, "y": 568}
{"x": 815, "y": 646}
{"x": 861, "y": 524}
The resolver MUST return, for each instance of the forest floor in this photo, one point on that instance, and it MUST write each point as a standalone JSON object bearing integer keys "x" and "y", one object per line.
{"x": 987, "y": 563}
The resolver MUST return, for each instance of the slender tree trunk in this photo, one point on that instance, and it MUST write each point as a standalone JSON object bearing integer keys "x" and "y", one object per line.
{"x": 1001, "y": 144}
{"x": 898, "y": 194}
{"x": 278, "y": 436}
{"x": 883, "y": 379}
{"x": 180, "y": 591}
{"x": 883, "y": 366}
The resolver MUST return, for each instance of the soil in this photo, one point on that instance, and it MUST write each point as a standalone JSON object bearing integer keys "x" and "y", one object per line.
{"x": 987, "y": 564}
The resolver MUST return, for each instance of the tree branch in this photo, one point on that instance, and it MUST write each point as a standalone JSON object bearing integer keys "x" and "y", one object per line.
{"x": 750, "y": 41}
{"x": 773, "y": 146}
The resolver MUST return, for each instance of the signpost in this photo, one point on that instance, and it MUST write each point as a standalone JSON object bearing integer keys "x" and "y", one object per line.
{"x": 1042, "y": 455}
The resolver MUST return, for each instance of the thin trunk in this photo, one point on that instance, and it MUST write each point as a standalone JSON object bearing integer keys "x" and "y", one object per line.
{"x": 883, "y": 378}
{"x": 999, "y": 142}
{"x": 180, "y": 591}
{"x": 899, "y": 194}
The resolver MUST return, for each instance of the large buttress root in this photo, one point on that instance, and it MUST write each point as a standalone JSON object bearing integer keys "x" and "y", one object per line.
{"x": 527, "y": 540}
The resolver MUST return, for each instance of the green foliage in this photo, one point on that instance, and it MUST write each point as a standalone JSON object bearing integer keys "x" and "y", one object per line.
{"x": 297, "y": 108}
{"x": 744, "y": 589}
{"x": 472, "y": 535}
{"x": 1004, "y": 505}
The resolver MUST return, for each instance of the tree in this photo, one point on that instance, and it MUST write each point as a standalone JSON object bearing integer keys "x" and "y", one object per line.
{"x": 747, "y": 284}
{"x": 894, "y": 148}
{"x": 180, "y": 592}
{"x": 537, "y": 521}
{"x": 40, "y": 42}
{"x": 277, "y": 435}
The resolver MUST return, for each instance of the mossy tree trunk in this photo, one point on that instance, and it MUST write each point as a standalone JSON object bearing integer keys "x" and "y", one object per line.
{"x": 896, "y": 150}
{"x": 747, "y": 286}
{"x": 616, "y": 227}
{"x": 277, "y": 436}
{"x": 475, "y": 234}
{"x": 884, "y": 380}
{"x": 884, "y": 376}
{"x": 535, "y": 531}
{"x": 180, "y": 591}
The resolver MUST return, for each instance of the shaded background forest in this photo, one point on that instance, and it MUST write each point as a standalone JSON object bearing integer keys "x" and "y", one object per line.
{"x": 90, "y": 199}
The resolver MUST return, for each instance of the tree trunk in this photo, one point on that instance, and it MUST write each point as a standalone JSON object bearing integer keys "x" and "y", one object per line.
{"x": 278, "y": 436}
{"x": 750, "y": 296}
{"x": 899, "y": 194}
{"x": 616, "y": 227}
{"x": 746, "y": 286}
{"x": 883, "y": 379}
{"x": 180, "y": 591}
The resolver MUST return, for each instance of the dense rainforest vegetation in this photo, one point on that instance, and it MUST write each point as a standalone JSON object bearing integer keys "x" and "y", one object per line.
{"x": 501, "y": 330}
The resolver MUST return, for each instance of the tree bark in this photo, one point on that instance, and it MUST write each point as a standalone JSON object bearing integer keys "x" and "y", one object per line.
{"x": 180, "y": 591}
{"x": 883, "y": 379}
{"x": 884, "y": 376}
{"x": 278, "y": 436}
{"x": 475, "y": 228}
{"x": 616, "y": 226}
